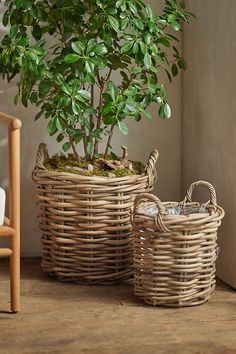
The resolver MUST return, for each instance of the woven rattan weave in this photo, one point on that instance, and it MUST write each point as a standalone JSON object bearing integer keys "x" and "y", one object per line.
{"x": 175, "y": 255}
{"x": 85, "y": 222}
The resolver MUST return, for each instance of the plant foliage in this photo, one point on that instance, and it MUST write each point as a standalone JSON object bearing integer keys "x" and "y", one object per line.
{"x": 71, "y": 82}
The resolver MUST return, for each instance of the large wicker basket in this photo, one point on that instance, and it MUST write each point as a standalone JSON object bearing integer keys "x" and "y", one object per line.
{"x": 175, "y": 255}
{"x": 85, "y": 222}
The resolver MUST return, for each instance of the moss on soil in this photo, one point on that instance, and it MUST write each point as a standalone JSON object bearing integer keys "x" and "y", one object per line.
{"x": 63, "y": 163}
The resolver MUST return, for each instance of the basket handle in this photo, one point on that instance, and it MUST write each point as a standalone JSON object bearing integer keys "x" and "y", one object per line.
{"x": 150, "y": 168}
{"x": 162, "y": 210}
{"x": 208, "y": 185}
{"x": 151, "y": 198}
{"x": 42, "y": 156}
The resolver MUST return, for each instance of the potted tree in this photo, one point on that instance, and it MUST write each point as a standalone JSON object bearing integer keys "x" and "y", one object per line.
{"x": 85, "y": 200}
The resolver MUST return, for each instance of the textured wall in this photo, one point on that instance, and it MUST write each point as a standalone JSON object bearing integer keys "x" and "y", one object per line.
{"x": 209, "y": 108}
{"x": 163, "y": 134}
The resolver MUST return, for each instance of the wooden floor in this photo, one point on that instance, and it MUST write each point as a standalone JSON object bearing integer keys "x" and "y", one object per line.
{"x": 68, "y": 318}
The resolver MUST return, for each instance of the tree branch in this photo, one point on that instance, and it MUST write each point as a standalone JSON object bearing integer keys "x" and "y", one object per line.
{"x": 90, "y": 6}
{"x": 92, "y": 103}
{"x": 73, "y": 145}
{"x": 109, "y": 140}
{"x": 74, "y": 149}
{"x": 99, "y": 120}
{"x": 109, "y": 74}
{"x": 87, "y": 157}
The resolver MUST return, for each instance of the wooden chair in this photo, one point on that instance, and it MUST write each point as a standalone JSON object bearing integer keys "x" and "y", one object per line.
{"x": 11, "y": 226}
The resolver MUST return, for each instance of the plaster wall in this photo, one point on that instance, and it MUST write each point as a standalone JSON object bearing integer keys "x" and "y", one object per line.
{"x": 166, "y": 135}
{"x": 209, "y": 105}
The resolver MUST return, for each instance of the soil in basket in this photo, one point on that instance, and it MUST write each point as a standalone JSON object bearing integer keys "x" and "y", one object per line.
{"x": 100, "y": 167}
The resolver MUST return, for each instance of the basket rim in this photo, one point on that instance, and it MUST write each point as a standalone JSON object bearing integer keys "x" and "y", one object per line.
{"x": 42, "y": 156}
{"x": 82, "y": 177}
{"x": 213, "y": 210}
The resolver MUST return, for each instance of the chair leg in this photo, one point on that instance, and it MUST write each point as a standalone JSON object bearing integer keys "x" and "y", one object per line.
{"x": 15, "y": 275}
{"x": 14, "y": 214}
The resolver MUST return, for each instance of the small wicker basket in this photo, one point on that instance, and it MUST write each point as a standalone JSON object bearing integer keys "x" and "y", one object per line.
{"x": 175, "y": 255}
{"x": 85, "y": 222}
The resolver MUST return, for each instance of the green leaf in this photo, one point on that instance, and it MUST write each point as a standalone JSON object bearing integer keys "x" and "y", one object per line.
{"x": 59, "y": 79}
{"x": 138, "y": 117}
{"x": 182, "y": 64}
{"x": 76, "y": 108}
{"x": 136, "y": 70}
{"x": 143, "y": 47}
{"x": 107, "y": 109}
{"x": 131, "y": 106}
{"x": 60, "y": 124}
{"x": 71, "y": 58}
{"x": 24, "y": 100}
{"x": 92, "y": 45}
{"x": 168, "y": 74}
{"x": 149, "y": 11}
{"x": 171, "y": 18}
{"x": 167, "y": 110}
{"x": 63, "y": 102}
{"x": 113, "y": 90}
{"x": 66, "y": 89}
{"x": 147, "y": 60}
{"x": 5, "y": 19}
{"x": 90, "y": 78}
{"x": 123, "y": 127}
{"x": 132, "y": 7}
{"x": 44, "y": 88}
{"x": 112, "y": 11}
{"x": 135, "y": 48}
{"x": 78, "y": 47}
{"x": 138, "y": 23}
{"x": 174, "y": 70}
{"x": 16, "y": 99}
{"x": 85, "y": 94}
{"x": 147, "y": 38}
{"x": 120, "y": 3}
{"x": 114, "y": 23}
{"x": 89, "y": 66}
{"x": 38, "y": 115}
{"x": 13, "y": 31}
{"x": 60, "y": 137}
{"x": 175, "y": 25}
{"x": 66, "y": 146}
{"x": 153, "y": 69}
{"x": 79, "y": 136}
{"x": 164, "y": 41}
{"x": 108, "y": 120}
{"x": 147, "y": 114}
{"x": 126, "y": 47}
{"x": 124, "y": 23}
{"x": 101, "y": 49}
{"x": 91, "y": 110}
{"x": 52, "y": 126}
{"x": 161, "y": 111}
{"x": 121, "y": 107}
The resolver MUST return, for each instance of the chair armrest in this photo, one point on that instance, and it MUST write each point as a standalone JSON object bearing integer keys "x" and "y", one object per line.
{"x": 12, "y": 122}
{"x": 14, "y": 126}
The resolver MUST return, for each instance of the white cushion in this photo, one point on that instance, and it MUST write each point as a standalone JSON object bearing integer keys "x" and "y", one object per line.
{"x": 2, "y": 205}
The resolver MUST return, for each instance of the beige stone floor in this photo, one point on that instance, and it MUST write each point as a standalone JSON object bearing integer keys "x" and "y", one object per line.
{"x": 69, "y": 318}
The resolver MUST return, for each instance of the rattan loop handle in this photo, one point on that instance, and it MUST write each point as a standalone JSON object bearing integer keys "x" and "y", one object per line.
{"x": 42, "y": 155}
{"x": 151, "y": 198}
{"x": 209, "y": 186}
{"x": 150, "y": 169}
{"x": 162, "y": 210}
